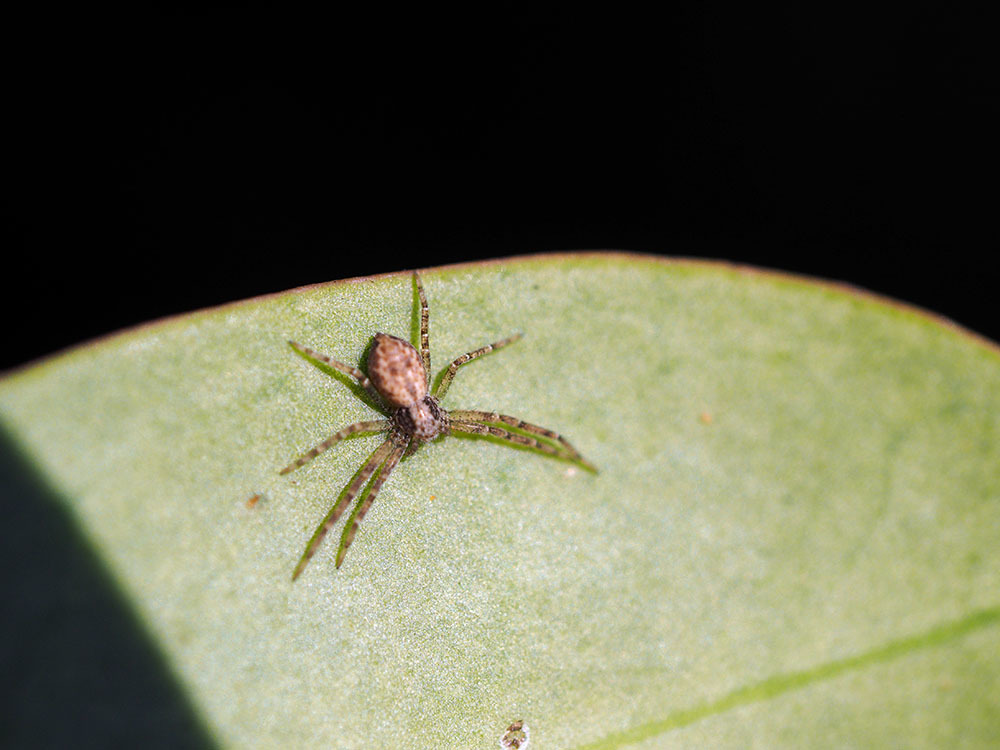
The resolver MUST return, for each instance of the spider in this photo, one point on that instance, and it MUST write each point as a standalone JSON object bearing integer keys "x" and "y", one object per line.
{"x": 399, "y": 381}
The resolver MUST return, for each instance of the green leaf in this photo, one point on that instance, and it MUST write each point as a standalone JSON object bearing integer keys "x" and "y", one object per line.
{"x": 793, "y": 538}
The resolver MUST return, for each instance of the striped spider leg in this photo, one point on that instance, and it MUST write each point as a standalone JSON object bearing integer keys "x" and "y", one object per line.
{"x": 398, "y": 380}
{"x": 484, "y": 423}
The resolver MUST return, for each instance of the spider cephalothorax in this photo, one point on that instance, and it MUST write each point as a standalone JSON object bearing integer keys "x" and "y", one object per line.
{"x": 399, "y": 379}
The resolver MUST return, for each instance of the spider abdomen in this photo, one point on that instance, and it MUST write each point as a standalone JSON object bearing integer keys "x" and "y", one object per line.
{"x": 396, "y": 371}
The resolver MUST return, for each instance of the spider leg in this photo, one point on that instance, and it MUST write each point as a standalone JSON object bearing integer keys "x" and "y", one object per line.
{"x": 378, "y": 425}
{"x": 354, "y": 372}
{"x": 564, "y": 450}
{"x": 345, "y": 499}
{"x": 468, "y": 357}
{"x": 425, "y": 345}
{"x": 520, "y": 424}
{"x": 359, "y": 513}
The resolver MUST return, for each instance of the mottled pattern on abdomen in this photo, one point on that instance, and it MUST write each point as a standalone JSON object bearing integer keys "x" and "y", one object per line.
{"x": 395, "y": 368}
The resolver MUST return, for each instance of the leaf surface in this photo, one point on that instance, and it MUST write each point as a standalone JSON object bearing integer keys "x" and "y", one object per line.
{"x": 793, "y": 539}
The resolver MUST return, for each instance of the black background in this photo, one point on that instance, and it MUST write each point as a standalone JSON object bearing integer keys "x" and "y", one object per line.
{"x": 167, "y": 162}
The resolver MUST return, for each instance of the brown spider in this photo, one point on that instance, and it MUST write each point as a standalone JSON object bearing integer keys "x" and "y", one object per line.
{"x": 399, "y": 379}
